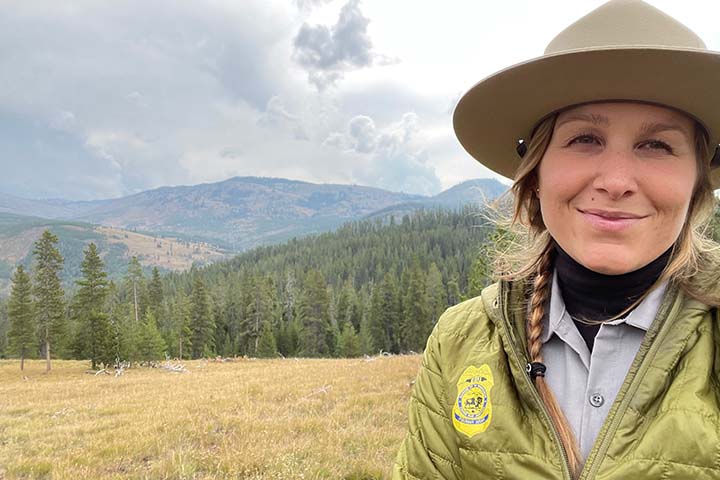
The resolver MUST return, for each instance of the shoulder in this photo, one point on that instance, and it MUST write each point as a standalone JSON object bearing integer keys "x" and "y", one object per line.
{"x": 469, "y": 318}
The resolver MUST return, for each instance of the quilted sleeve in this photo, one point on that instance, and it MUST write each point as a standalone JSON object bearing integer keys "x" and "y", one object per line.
{"x": 429, "y": 450}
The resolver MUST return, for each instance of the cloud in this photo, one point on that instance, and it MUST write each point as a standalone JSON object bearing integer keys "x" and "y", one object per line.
{"x": 63, "y": 120}
{"x": 387, "y": 100}
{"x": 46, "y": 160}
{"x": 395, "y": 157}
{"x": 232, "y": 152}
{"x": 328, "y": 52}
{"x": 401, "y": 162}
{"x": 277, "y": 116}
{"x": 101, "y": 99}
{"x": 362, "y": 131}
{"x": 310, "y": 4}
{"x": 110, "y": 91}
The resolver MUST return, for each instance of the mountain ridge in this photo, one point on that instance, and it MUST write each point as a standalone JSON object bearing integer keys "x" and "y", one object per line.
{"x": 239, "y": 213}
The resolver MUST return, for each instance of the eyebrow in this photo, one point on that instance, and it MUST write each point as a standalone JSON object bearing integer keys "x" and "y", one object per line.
{"x": 655, "y": 127}
{"x": 593, "y": 118}
{"x": 647, "y": 128}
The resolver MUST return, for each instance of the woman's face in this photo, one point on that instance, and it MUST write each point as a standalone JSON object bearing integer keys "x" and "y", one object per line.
{"x": 615, "y": 183}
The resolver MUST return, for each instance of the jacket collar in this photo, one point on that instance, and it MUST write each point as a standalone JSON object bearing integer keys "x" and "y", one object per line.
{"x": 640, "y": 317}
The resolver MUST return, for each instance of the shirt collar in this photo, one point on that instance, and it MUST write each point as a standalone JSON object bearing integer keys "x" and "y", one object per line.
{"x": 641, "y": 317}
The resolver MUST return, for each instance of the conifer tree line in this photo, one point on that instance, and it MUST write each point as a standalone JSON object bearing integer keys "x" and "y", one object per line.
{"x": 372, "y": 286}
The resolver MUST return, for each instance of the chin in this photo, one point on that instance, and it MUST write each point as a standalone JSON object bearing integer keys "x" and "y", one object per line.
{"x": 610, "y": 261}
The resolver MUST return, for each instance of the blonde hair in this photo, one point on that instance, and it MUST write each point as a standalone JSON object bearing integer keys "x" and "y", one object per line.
{"x": 692, "y": 266}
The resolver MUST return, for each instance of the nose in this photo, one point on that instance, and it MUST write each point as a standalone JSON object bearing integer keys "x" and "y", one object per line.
{"x": 615, "y": 174}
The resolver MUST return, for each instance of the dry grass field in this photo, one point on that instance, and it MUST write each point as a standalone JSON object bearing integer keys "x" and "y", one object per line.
{"x": 245, "y": 419}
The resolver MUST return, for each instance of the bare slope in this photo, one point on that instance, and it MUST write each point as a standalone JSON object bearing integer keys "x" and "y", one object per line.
{"x": 19, "y": 233}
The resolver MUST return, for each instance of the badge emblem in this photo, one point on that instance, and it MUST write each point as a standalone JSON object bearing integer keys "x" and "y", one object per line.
{"x": 472, "y": 411}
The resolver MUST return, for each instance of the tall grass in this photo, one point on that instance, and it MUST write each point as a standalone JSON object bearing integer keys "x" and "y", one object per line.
{"x": 249, "y": 419}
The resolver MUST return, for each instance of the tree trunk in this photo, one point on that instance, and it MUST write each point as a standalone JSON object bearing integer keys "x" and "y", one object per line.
{"x": 47, "y": 356}
{"x": 257, "y": 331}
{"x": 135, "y": 299}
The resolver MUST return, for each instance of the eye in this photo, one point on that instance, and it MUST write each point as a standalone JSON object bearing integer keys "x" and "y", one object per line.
{"x": 584, "y": 139}
{"x": 656, "y": 145}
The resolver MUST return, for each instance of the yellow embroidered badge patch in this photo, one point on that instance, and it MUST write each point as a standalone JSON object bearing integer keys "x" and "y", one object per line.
{"x": 472, "y": 411}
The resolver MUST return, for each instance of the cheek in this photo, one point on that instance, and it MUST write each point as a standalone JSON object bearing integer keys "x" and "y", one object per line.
{"x": 559, "y": 183}
{"x": 671, "y": 194}
{"x": 673, "y": 202}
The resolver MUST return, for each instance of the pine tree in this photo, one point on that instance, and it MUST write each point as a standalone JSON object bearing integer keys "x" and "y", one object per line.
{"x": 267, "y": 348}
{"x": 220, "y": 328}
{"x": 314, "y": 314}
{"x": 354, "y": 311}
{"x": 290, "y": 295}
{"x": 385, "y": 315}
{"x": 155, "y": 293}
{"x": 376, "y": 323}
{"x": 135, "y": 279}
{"x": 114, "y": 308}
{"x": 481, "y": 272}
{"x": 261, "y": 309}
{"x": 415, "y": 325}
{"x": 246, "y": 325}
{"x": 94, "y": 337}
{"x": 435, "y": 292}
{"x": 292, "y": 337}
{"x": 454, "y": 297}
{"x": 48, "y": 294}
{"x": 4, "y": 328}
{"x": 343, "y": 305}
{"x": 233, "y": 312}
{"x": 365, "y": 339}
{"x": 349, "y": 342}
{"x": 21, "y": 336}
{"x": 128, "y": 333}
{"x": 181, "y": 331}
{"x": 151, "y": 346}
{"x": 347, "y": 308}
{"x": 201, "y": 321}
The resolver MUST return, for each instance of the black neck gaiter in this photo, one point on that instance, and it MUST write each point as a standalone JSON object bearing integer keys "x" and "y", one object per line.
{"x": 593, "y": 296}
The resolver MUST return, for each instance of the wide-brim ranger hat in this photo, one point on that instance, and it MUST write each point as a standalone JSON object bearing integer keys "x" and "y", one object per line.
{"x": 624, "y": 50}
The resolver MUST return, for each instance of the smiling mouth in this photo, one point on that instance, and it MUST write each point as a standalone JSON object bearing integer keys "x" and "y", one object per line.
{"x": 612, "y": 215}
{"x": 610, "y": 221}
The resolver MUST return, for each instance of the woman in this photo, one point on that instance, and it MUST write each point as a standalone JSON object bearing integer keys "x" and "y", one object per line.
{"x": 598, "y": 356}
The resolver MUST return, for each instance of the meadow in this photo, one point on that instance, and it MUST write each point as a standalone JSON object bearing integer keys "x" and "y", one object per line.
{"x": 242, "y": 419}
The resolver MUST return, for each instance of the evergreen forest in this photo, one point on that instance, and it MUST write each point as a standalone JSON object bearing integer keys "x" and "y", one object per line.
{"x": 369, "y": 287}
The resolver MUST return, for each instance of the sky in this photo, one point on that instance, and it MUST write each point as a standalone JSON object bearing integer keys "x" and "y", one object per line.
{"x": 106, "y": 98}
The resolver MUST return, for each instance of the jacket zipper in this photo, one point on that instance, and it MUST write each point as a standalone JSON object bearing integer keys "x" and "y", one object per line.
{"x": 607, "y": 432}
{"x": 522, "y": 360}
{"x": 605, "y": 435}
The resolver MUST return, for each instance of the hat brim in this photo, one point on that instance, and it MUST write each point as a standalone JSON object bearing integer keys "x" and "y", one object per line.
{"x": 502, "y": 109}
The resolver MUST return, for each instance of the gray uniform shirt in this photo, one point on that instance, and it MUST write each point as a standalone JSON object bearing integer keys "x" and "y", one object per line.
{"x": 585, "y": 383}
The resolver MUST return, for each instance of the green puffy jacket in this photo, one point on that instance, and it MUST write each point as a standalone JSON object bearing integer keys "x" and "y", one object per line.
{"x": 474, "y": 413}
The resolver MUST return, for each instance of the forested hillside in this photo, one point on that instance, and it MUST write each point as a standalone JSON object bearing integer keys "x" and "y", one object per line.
{"x": 370, "y": 286}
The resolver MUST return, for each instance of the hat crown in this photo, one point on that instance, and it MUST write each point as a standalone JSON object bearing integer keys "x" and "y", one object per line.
{"x": 625, "y": 23}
